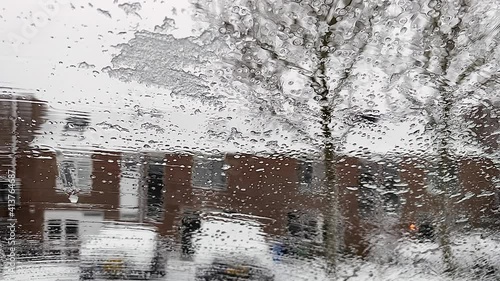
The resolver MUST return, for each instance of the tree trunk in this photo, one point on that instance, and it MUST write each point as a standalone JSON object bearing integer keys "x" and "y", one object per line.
{"x": 331, "y": 236}
{"x": 446, "y": 181}
{"x": 331, "y": 220}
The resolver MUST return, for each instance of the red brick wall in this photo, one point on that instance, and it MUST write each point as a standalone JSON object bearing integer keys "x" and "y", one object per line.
{"x": 257, "y": 186}
{"x": 476, "y": 177}
{"x": 38, "y": 174}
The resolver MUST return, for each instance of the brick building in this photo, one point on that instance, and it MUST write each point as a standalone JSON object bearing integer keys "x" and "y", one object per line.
{"x": 65, "y": 193}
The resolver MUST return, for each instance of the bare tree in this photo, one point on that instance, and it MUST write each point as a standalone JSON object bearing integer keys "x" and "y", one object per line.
{"x": 315, "y": 44}
{"x": 446, "y": 69}
{"x": 298, "y": 62}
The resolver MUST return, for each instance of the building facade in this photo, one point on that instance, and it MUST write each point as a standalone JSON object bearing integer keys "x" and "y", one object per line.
{"x": 64, "y": 194}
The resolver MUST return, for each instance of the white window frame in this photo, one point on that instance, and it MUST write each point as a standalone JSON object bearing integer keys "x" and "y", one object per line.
{"x": 131, "y": 181}
{"x": 62, "y": 245}
{"x": 81, "y": 173}
{"x": 63, "y": 224}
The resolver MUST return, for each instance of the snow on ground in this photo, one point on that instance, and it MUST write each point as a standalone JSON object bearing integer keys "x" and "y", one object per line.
{"x": 43, "y": 271}
{"x": 413, "y": 261}
{"x": 299, "y": 270}
{"x": 476, "y": 255}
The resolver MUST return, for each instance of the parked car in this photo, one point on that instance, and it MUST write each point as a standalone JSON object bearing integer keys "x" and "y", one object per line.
{"x": 122, "y": 251}
{"x": 231, "y": 247}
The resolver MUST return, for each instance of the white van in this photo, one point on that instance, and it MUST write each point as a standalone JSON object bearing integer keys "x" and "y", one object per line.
{"x": 122, "y": 251}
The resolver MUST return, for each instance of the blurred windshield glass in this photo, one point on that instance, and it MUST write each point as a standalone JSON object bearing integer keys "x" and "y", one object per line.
{"x": 250, "y": 139}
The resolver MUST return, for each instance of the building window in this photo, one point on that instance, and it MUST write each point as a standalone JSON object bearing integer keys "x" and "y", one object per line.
{"x": 305, "y": 235}
{"x": 71, "y": 229}
{"x": 4, "y": 192}
{"x": 367, "y": 194}
{"x": 379, "y": 189}
{"x": 68, "y": 174}
{"x": 62, "y": 237}
{"x": 209, "y": 172}
{"x": 306, "y": 175}
{"x": 305, "y": 170}
{"x": 155, "y": 190}
{"x": 75, "y": 174}
{"x": 432, "y": 181}
{"x": 57, "y": 229}
{"x": 132, "y": 176}
{"x": 304, "y": 226}
{"x": 392, "y": 186}
{"x": 54, "y": 229}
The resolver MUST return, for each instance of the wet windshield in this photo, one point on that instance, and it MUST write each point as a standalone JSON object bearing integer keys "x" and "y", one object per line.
{"x": 250, "y": 140}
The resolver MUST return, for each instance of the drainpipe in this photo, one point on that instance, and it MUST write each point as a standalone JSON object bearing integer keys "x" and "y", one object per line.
{"x": 142, "y": 192}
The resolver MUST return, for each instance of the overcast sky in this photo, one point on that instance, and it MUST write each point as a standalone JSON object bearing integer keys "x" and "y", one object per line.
{"x": 63, "y": 57}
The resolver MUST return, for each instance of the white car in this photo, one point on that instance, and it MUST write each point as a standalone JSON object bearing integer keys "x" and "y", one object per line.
{"x": 122, "y": 251}
{"x": 232, "y": 247}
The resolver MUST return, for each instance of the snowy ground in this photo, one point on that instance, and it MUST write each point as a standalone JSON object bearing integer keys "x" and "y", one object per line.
{"x": 474, "y": 254}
